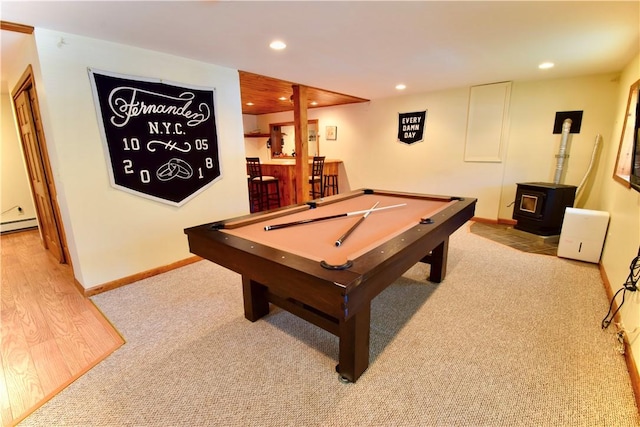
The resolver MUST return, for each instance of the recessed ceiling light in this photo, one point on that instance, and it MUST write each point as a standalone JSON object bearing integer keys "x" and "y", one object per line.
{"x": 250, "y": 103}
{"x": 283, "y": 98}
{"x": 314, "y": 103}
{"x": 277, "y": 45}
{"x": 546, "y": 65}
{"x": 401, "y": 86}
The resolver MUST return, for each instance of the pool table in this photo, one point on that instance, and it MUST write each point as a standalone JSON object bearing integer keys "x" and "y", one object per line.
{"x": 301, "y": 269}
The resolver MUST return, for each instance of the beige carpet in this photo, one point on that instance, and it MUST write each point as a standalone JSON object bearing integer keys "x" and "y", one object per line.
{"x": 508, "y": 339}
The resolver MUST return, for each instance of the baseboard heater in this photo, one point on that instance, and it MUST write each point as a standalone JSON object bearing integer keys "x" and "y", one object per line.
{"x": 20, "y": 224}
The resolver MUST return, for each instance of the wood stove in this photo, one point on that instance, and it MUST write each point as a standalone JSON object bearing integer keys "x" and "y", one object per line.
{"x": 539, "y": 207}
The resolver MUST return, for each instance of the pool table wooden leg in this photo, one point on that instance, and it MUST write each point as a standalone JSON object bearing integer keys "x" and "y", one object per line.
{"x": 438, "y": 261}
{"x": 256, "y": 303}
{"x": 354, "y": 345}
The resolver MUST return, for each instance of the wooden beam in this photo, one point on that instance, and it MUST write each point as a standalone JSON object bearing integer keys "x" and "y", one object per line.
{"x": 302, "y": 141}
{"x": 16, "y": 28}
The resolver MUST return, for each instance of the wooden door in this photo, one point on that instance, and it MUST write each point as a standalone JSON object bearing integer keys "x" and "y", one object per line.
{"x": 36, "y": 169}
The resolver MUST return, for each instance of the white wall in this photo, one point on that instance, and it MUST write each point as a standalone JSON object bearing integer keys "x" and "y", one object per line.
{"x": 111, "y": 233}
{"x": 367, "y": 141}
{"x": 623, "y": 204}
{"x": 533, "y": 146}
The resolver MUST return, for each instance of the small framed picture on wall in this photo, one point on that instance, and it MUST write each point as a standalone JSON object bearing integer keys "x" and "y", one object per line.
{"x": 332, "y": 133}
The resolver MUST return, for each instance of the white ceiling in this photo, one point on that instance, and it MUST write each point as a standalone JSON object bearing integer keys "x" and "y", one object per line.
{"x": 363, "y": 48}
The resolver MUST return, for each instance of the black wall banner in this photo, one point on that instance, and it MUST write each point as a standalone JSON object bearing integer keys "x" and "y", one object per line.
{"x": 411, "y": 126}
{"x": 160, "y": 139}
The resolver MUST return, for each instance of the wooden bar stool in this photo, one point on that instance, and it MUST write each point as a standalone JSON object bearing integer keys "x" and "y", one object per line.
{"x": 264, "y": 190}
{"x": 330, "y": 185}
{"x": 316, "y": 178}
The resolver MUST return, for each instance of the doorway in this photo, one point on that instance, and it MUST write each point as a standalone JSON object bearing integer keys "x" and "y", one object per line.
{"x": 25, "y": 102}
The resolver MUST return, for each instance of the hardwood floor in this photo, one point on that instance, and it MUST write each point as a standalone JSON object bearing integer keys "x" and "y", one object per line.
{"x": 51, "y": 333}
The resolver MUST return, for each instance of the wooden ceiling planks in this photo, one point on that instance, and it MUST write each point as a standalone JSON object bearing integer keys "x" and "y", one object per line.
{"x": 264, "y": 93}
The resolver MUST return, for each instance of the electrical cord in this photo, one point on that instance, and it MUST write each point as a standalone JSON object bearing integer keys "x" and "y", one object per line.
{"x": 631, "y": 285}
{"x": 12, "y": 208}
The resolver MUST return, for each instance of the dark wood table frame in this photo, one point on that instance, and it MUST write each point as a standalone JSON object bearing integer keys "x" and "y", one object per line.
{"x": 338, "y": 301}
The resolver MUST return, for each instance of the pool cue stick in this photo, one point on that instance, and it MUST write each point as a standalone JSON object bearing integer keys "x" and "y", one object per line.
{"x": 342, "y": 238}
{"x": 307, "y": 221}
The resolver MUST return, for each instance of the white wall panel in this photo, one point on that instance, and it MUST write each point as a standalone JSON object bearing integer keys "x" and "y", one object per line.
{"x": 487, "y": 122}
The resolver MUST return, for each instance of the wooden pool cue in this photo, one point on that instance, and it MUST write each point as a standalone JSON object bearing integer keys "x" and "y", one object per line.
{"x": 307, "y": 221}
{"x": 342, "y": 238}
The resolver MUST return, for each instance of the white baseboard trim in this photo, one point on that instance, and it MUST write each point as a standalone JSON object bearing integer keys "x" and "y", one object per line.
{"x": 20, "y": 224}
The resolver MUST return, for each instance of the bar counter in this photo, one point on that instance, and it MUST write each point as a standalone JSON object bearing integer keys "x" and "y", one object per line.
{"x": 285, "y": 171}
